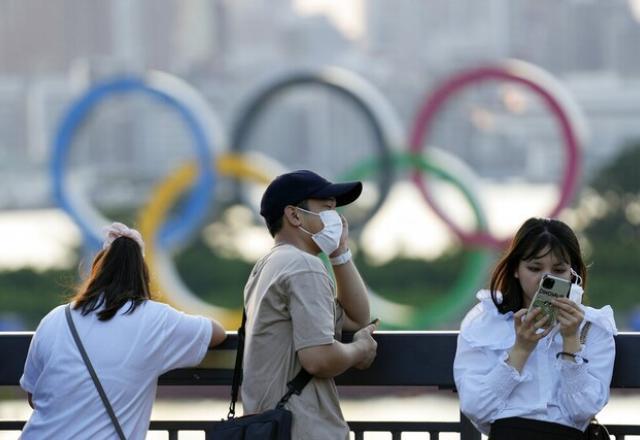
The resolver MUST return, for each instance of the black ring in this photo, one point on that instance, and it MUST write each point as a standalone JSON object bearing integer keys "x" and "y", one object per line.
{"x": 345, "y": 84}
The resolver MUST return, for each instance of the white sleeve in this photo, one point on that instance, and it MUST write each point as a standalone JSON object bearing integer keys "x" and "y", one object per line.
{"x": 484, "y": 381}
{"x": 40, "y": 343}
{"x": 584, "y": 387}
{"x": 33, "y": 365}
{"x": 185, "y": 339}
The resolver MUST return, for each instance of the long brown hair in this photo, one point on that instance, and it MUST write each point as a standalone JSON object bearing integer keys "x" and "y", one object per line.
{"x": 119, "y": 275}
{"x": 534, "y": 236}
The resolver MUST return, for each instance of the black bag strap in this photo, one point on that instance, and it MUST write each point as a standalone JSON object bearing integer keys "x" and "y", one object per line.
{"x": 296, "y": 385}
{"x": 92, "y": 372}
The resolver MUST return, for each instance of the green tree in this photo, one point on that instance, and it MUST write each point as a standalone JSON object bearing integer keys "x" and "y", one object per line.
{"x": 614, "y": 235}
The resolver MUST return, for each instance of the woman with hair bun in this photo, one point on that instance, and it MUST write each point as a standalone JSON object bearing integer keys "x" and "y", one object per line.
{"x": 129, "y": 339}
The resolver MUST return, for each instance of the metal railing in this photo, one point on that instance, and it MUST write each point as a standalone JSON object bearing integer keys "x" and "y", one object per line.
{"x": 405, "y": 359}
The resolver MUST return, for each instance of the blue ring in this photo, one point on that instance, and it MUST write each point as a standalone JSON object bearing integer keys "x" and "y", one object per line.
{"x": 195, "y": 208}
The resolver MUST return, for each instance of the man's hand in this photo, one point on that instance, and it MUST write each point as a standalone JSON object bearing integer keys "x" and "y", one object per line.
{"x": 369, "y": 346}
{"x": 331, "y": 360}
{"x": 344, "y": 239}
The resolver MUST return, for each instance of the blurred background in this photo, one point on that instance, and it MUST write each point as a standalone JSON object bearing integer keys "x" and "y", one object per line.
{"x": 499, "y": 136}
{"x": 502, "y": 147}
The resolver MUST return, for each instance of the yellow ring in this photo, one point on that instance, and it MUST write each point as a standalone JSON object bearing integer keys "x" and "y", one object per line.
{"x": 165, "y": 281}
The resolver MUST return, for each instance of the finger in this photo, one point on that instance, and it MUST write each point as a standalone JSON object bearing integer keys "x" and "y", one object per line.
{"x": 532, "y": 316}
{"x": 571, "y": 315}
{"x": 541, "y": 322}
{"x": 566, "y": 326}
{"x": 564, "y": 319}
{"x": 545, "y": 332}
{"x": 520, "y": 313}
{"x": 564, "y": 305}
{"x": 366, "y": 330}
{"x": 518, "y": 317}
{"x": 567, "y": 302}
{"x": 567, "y": 322}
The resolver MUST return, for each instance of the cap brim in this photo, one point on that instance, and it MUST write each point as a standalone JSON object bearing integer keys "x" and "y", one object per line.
{"x": 344, "y": 193}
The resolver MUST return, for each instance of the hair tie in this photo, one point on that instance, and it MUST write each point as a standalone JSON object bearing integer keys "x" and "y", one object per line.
{"x": 117, "y": 230}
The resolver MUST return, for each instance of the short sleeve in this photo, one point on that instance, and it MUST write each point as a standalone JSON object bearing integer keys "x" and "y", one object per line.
{"x": 37, "y": 354}
{"x": 185, "y": 339}
{"x": 33, "y": 366}
{"x": 312, "y": 306}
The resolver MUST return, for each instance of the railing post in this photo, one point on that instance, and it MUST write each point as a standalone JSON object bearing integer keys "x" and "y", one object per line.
{"x": 467, "y": 430}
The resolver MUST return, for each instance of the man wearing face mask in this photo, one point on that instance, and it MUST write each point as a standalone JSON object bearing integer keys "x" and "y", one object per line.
{"x": 295, "y": 311}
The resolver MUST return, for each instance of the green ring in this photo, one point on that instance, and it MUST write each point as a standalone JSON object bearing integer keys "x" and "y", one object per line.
{"x": 478, "y": 260}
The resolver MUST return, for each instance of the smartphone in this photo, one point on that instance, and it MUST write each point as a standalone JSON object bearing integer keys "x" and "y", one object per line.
{"x": 550, "y": 288}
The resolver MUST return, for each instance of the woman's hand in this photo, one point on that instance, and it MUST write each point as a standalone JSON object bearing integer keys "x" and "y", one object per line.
{"x": 569, "y": 315}
{"x": 527, "y": 326}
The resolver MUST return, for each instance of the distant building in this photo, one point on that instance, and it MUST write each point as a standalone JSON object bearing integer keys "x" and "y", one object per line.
{"x": 225, "y": 47}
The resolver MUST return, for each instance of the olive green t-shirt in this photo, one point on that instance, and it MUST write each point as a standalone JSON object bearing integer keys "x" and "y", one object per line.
{"x": 291, "y": 304}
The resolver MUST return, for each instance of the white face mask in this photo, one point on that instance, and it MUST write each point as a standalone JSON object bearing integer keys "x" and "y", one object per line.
{"x": 328, "y": 239}
{"x": 575, "y": 294}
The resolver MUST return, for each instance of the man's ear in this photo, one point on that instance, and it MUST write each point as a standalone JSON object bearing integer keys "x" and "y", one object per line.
{"x": 292, "y": 216}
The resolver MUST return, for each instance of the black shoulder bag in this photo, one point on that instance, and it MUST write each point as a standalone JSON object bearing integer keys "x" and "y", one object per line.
{"x": 595, "y": 431}
{"x": 273, "y": 424}
{"x": 92, "y": 373}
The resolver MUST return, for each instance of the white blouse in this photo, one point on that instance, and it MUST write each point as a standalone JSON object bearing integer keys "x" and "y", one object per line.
{"x": 548, "y": 389}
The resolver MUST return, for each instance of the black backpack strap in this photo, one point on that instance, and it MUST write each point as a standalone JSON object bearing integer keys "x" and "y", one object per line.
{"x": 296, "y": 385}
{"x": 92, "y": 373}
{"x": 237, "y": 370}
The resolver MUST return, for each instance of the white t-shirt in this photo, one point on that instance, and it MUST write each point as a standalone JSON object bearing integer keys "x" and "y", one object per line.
{"x": 128, "y": 352}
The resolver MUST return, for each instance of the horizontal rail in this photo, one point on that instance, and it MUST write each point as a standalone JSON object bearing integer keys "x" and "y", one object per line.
{"x": 404, "y": 359}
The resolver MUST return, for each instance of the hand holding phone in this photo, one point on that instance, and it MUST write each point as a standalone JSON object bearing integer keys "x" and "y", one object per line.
{"x": 550, "y": 288}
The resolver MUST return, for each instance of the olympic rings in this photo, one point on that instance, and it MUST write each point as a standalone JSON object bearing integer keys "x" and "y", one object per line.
{"x": 554, "y": 96}
{"x": 194, "y": 111}
{"x": 167, "y": 282}
{"x": 374, "y": 107}
{"x": 477, "y": 261}
{"x": 169, "y": 91}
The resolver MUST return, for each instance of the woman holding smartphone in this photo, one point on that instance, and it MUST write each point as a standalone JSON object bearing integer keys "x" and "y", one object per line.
{"x": 516, "y": 375}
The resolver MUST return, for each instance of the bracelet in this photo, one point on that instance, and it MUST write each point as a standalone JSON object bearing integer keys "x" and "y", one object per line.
{"x": 573, "y": 355}
{"x": 341, "y": 259}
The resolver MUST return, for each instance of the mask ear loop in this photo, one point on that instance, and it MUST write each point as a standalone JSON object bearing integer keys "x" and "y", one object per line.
{"x": 300, "y": 227}
{"x": 578, "y": 278}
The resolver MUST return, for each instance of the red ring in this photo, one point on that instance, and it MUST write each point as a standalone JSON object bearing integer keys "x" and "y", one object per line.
{"x": 541, "y": 84}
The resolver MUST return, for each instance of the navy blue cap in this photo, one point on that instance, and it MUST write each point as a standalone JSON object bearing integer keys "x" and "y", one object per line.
{"x": 296, "y": 186}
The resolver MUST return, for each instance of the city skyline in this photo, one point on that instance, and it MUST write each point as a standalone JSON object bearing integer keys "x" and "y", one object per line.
{"x": 225, "y": 49}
